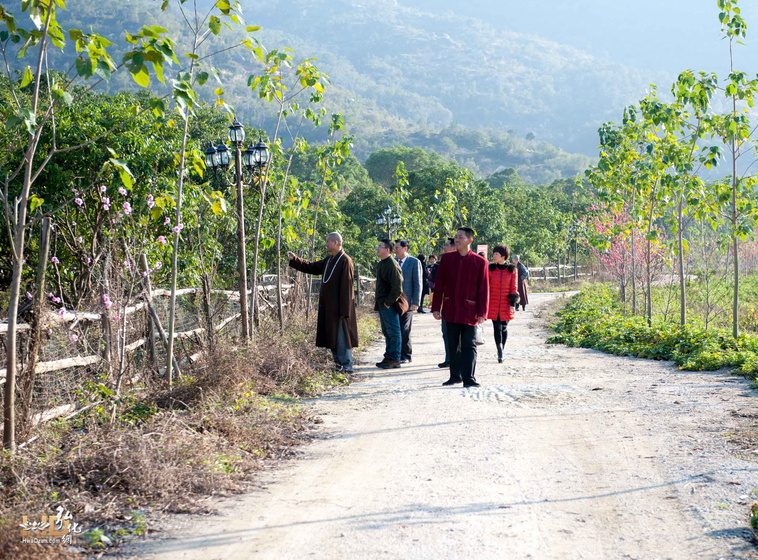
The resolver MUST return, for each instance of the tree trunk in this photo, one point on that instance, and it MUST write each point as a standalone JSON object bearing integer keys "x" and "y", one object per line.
{"x": 576, "y": 276}
{"x": 27, "y": 388}
{"x": 736, "y": 292}
{"x": 735, "y": 247}
{"x": 208, "y": 312}
{"x": 18, "y": 241}
{"x": 279, "y": 289}
{"x": 648, "y": 284}
{"x": 634, "y": 274}
{"x": 680, "y": 263}
{"x": 263, "y": 179}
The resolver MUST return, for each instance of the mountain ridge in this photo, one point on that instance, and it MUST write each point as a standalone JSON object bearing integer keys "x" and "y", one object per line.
{"x": 501, "y": 79}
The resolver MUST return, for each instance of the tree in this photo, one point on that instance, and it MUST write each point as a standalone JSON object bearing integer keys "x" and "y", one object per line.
{"x": 735, "y": 130}
{"x": 35, "y": 114}
{"x": 359, "y": 208}
{"x": 382, "y": 164}
{"x": 148, "y": 53}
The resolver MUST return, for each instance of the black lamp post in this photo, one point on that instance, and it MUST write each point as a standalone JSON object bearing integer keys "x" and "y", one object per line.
{"x": 253, "y": 161}
{"x": 385, "y": 218}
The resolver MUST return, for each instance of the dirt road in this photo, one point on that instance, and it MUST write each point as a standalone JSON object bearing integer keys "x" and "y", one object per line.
{"x": 561, "y": 454}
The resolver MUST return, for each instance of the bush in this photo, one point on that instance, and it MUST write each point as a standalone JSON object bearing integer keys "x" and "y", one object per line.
{"x": 594, "y": 319}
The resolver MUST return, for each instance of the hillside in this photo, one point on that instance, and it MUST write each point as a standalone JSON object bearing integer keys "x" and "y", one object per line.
{"x": 433, "y": 70}
{"x": 487, "y": 97}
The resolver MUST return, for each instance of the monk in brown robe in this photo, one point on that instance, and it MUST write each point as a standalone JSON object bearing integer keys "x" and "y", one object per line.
{"x": 337, "y": 328}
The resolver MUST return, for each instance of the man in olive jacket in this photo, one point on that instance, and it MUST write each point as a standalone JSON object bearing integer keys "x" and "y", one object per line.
{"x": 389, "y": 286}
{"x": 336, "y": 325}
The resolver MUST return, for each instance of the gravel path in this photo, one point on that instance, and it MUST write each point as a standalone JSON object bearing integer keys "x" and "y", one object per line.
{"x": 562, "y": 454}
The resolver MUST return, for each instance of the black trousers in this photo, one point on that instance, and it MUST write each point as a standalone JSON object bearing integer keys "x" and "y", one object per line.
{"x": 424, "y": 293}
{"x": 406, "y": 322}
{"x": 501, "y": 335}
{"x": 460, "y": 339}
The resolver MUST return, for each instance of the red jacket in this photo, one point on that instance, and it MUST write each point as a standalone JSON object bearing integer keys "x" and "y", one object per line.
{"x": 461, "y": 288}
{"x": 503, "y": 282}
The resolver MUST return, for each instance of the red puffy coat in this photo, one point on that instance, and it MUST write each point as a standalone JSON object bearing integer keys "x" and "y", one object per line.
{"x": 503, "y": 282}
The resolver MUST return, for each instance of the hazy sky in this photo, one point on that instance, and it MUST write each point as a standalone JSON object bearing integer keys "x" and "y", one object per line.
{"x": 666, "y": 35}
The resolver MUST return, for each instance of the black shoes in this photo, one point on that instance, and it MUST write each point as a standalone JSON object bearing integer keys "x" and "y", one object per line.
{"x": 443, "y": 365}
{"x": 500, "y": 360}
{"x": 390, "y": 364}
{"x": 454, "y": 382}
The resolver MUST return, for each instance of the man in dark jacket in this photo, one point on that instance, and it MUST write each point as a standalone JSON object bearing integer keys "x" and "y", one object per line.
{"x": 389, "y": 286}
{"x": 412, "y": 287}
{"x": 523, "y": 285}
{"x": 462, "y": 284}
{"x": 337, "y": 328}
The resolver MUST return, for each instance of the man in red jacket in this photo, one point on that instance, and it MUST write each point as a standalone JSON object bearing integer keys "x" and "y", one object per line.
{"x": 462, "y": 284}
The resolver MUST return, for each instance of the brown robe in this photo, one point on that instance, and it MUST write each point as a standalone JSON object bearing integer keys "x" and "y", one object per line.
{"x": 336, "y": 298}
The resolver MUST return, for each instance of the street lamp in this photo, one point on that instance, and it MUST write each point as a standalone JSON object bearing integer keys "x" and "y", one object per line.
{"x": 253, "y": 161}
{"x": 385, "y": 218}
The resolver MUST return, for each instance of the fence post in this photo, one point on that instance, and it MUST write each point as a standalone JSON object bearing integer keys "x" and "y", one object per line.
{"x": 358, "y": 285}
{"x": 150, "y": 331}
{"x": 105, "y": 322}
{"x": 154, "y": 315}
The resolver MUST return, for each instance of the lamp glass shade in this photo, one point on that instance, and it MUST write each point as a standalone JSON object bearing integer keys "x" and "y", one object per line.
{"x": 387, "y": 210}
{"x": 236, "y": 133}
{"x": 380, "y": 221}
{"x": 395, "y": 220}
{"x": 262, "y": 154}
{"x": 248, "y": 158}
{"x": 223, "y": 156}
{"x": 210, "y": 158}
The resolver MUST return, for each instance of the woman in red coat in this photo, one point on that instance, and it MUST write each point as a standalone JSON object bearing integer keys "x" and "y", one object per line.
{"x": 503, "y": 296}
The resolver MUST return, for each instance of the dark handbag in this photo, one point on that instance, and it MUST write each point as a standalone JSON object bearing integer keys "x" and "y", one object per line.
{"x": 513, "y": 299}
{"x": 401, "y": 304}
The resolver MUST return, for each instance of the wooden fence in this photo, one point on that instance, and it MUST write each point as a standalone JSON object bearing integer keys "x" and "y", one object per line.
{"x": 560, "y": 273}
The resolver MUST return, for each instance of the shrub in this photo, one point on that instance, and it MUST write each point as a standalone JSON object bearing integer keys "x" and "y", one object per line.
{"x": 594, "y": 319}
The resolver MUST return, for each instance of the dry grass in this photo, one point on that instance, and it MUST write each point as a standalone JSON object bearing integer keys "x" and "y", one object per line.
{"x": 169, "y": 450}
{"x": 11, "y": 547}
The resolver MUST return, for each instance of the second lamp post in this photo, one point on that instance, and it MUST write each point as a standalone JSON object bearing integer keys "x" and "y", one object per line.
{"x": 385, "y": 218}
{"x": 253, "y": 160}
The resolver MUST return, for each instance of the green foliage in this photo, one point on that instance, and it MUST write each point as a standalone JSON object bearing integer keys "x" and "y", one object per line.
{"x": 360, "y": 232}
{"x": 382, "y": 164}
{"x": 594, "y": 319}
{"x": 139, "y": 413}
